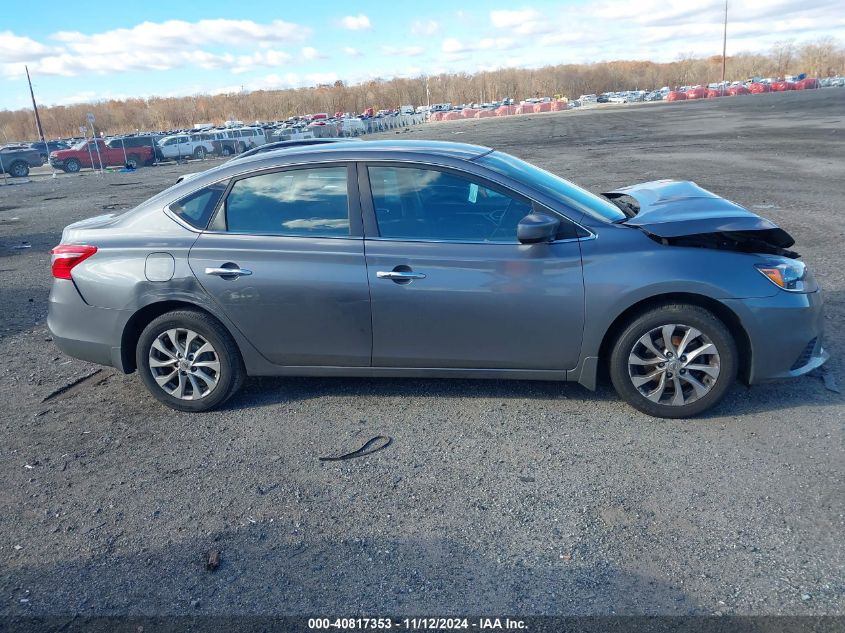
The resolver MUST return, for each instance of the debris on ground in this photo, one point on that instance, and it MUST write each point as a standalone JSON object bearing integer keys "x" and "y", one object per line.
{"x": 379, "y": 442}
{"x": 212, "y": 560}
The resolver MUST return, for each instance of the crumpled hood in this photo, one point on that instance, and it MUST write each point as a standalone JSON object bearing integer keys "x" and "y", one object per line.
{"x": 676, "y": 208}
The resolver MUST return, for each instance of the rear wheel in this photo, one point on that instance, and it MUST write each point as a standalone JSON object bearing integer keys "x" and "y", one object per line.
{"x": 189, "y": 361}
{"x": 674, "y": 361}
{"x": 199, "y": 153}
{"x": 19, "y": 169}
{"x": 72, "y": 166}
{"x": 226, "y": 151}
{"x": 133, "y": 161}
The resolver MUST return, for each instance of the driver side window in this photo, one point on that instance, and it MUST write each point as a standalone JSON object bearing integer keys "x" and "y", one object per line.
{"x": 428, "y": 204}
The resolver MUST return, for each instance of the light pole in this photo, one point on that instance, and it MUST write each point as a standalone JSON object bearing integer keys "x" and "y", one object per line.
{"x": 724, "y": 42}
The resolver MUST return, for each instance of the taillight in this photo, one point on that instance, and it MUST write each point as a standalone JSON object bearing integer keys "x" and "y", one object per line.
{"x": 66, "y": 256}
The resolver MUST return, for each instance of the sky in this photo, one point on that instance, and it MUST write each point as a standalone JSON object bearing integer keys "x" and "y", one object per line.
{"x": 80, "y": 52}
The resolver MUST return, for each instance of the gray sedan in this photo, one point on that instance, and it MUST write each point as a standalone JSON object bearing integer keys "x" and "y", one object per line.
{"x": 425, "y": 259}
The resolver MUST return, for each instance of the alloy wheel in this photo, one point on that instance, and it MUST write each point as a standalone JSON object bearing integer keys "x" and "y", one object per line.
{"x": 674, "y": 365}
{"x": 184, "y": 364}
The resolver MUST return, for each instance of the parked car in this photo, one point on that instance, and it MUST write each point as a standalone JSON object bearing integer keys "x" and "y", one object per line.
{"x": 602, "y": 99}
{"x": 181, "y": 146}
{"x": 16, "y": 160}
{"x": 44, "y": 148}
{"x": 142, "y": 140}
{"x": 415, "y": 258}
{"x": 97, "y": 154}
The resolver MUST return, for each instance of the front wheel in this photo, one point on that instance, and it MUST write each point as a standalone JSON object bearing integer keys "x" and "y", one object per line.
{"x": 199, "y": 153}
{"x": 189, "y": 361}
{"x": 19, "y": 169}
{"x": 72, "y": 165}
{"x": 674, "y": 361}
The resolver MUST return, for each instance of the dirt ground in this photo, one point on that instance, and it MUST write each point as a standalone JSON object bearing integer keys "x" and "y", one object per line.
{"x": 494, "y": 497}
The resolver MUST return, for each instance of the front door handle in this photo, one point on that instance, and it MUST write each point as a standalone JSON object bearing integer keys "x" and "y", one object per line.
{"x": 227, "y": 272}
{"x": 399, "y": 275}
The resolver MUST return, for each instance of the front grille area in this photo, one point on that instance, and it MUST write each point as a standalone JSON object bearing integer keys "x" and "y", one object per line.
{"x": 805, "y": 356}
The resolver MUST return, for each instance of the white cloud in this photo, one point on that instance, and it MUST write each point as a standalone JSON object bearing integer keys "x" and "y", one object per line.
{"x": 153, "y": 46}
{"x": 352, "y": 52}
{"x": 453, "y": 45}
{"x": 523, "y": 21}
{"x": 311, "y": 53}
{"x": 425, "y": 27}
{"x": 358, "y": 22}
{"x": 403, "y": 51}
{"x": 182, "y": 35}
{"x": 14, "y": 48}
{"x": 259, "y": 59}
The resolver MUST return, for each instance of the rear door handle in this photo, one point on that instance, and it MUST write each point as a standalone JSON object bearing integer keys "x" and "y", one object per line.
{"x": 400, "y": 275}
{"x": 227, "y": 272}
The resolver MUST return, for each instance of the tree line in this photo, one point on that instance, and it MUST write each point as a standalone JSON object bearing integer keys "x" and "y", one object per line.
{"x": 820, "y": 58}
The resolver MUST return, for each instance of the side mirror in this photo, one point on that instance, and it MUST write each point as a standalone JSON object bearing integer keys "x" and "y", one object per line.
{"x": 537, "y": 228}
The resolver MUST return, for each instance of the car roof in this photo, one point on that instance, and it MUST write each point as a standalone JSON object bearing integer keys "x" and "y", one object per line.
{"x": 358, "y": 150}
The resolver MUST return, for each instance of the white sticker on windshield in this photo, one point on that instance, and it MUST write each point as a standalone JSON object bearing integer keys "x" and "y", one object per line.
{"x": 473, "y": 192}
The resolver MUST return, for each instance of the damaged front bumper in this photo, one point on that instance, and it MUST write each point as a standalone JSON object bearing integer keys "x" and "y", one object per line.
{"x": 786, "y": 334}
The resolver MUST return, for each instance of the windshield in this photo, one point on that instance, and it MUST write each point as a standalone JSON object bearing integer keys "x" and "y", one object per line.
{"x": 556, "y": 187}
{"x": 80, "y": 145}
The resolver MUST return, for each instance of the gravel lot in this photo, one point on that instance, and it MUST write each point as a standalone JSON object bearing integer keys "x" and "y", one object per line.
{"x": 495, "y": 497}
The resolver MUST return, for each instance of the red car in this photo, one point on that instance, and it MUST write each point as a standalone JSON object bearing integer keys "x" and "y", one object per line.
{"x": 759, "y": 88}
{"x": 95, "y": 153}
{"x": 783, "y": 86}
{"x": 696, "y": 93}
{"x": 676, "y": 96}
{"x": 809, "y": 83}
{"x": 712, "y": 93}
{"x": 738, "y": 90}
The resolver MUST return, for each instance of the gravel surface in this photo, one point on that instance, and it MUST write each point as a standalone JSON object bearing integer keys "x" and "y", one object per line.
{"x": 494, "y": 497}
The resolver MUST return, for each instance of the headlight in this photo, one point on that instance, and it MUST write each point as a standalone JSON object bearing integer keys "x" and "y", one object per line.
{"x": 787, "y": 274}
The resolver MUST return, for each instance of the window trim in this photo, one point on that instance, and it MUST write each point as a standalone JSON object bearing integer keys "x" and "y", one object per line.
{"x": 352, "y": 196}
{"x": 197, "y": 229}
{"x": 372, "y": 232}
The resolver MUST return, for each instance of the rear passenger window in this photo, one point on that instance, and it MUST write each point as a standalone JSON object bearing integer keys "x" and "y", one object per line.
{"x": 196, "y": 209}
{"x": 307, "y": 202}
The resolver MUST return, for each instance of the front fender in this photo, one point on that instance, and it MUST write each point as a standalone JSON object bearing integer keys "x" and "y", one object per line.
{"x": 624, "y": 267}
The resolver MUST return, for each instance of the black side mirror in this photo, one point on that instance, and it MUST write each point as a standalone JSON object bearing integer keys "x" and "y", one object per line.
{"x": 537, "y": 228}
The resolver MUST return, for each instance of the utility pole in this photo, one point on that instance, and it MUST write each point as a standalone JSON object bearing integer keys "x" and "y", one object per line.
{"x": 724, "y": 42}
{"x": 35, "y": 107}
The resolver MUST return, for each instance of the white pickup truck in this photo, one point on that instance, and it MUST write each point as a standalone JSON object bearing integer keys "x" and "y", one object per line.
{"x": 184, "y": 146}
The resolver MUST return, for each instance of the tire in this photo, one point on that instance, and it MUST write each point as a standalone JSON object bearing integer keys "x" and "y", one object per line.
{"x": 226, "y": 151}
{"x": 157, "y": 352}
{"x": 72, "y": 165}
{"x": 134, "y": 161}
{"x": 633, "y": 363}
{"x": 19, "y": 169}
{"x": 199, "y": 153}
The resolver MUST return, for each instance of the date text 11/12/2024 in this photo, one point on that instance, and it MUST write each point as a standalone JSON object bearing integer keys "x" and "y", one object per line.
{"x": 416, "y": 624}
